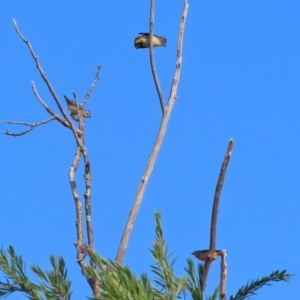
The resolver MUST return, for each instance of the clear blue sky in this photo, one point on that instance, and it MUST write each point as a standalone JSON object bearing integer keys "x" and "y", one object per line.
{"x": 240, "y": 79}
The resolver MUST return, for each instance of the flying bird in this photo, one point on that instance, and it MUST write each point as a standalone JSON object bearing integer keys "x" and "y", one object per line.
{"x": 143, "y": 40}
{"x": 203, "y": 254}
{"x": 74, "y": 108}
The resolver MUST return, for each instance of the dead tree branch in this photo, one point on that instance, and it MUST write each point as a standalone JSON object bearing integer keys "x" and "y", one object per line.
{"x": 80, "y": 151}
{"x": 152, "y": 60}
{"x": 223, "y": 276}
{"x": 160, "y": 136}
{"x": 97, "y": 77}
{"x": 41, "y": 71}
{"x": 30, "y": 125}
{"x": 214, "y": 216}
{"x": 48, "y": 109}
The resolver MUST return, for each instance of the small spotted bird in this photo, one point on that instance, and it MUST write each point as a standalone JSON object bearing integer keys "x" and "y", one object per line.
{"x": 203, "y": 254}
{"x": 143, "y": 41}
{"x": 72, "y": 106}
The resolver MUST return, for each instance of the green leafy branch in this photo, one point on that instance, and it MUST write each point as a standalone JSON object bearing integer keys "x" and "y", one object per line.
{"x": 119, "y": 282}
{"x": 56, "y": 286}
{"x": 250, "y": 289}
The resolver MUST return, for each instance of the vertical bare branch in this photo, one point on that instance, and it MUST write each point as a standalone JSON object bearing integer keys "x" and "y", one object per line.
{"x": 213, "y": 227}
{"x": 223, "y": 276}
{"x": 87, "y": 193}
{"x": 81, "y": 150}
{"x": 87, "y": 171}
{"x": 158, "y": 142}
{"x": 175, "y": 82}
{"x": 78, "y": 207}
{"x": 152, "y": 59}
{"x": 87, "y": 196}
{"x": 87, "y": 174}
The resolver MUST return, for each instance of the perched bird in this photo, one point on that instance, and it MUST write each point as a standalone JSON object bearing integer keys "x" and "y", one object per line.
{"x": 203, "y": 254}
{"x": 74, "y": 109}
{"x": 143, "y": 40}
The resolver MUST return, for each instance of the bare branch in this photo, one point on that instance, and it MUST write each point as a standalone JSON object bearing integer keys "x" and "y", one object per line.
{"x": 51, "y": 89}
{"x": 79, "y": 137}
{"x": 152, "y": 59}
{"x": 30, "y": 125}
{"x": 48, "y": 109}
{"x": 97, "y": 76}
{"x": 175, "y": 82}
{"x": 213, "y": 228}
{"x": 205, "y": 274}
{"x": 33, "y": 125}
{"x": 87, "y": 178}
{"x": 78, "y": 206}
{"x": 157, "y": 145}
{"x": 87, "y": 196}
{"x": 41, "y": 71}
{"x": 223, "y": 276}
{"x": 67, "y": 123}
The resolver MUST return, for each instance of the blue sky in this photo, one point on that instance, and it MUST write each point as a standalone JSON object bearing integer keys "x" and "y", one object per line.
{"x": 240, "y": 79}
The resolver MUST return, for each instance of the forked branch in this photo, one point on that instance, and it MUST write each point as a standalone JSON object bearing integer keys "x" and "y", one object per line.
{"x": 78, "y": 133}
{"x": 30, "y": 125}
{"x": 167, "y": 109}
{"x": 41, "y": 71}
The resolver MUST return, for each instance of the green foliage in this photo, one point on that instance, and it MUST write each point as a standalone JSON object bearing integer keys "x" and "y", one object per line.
{"x": 56, "y": 285}
{"x": 194, "y": 280}
{"x": 119, "y": 282}
{"x": 166, "y": 279}
{"x": 250, "y": 289}
{"x": 194, "y": 284}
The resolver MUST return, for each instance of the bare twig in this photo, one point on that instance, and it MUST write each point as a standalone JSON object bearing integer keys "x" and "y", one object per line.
{"x": 67, "y": 123}
{"x": 157, "y": 145}
{"x": 48, "y": 109}
{"x": 30, "y": 125}
{"x": 213, "y": 227}
{"x": 152, "y": 59}
{"x": 51, "y": 89}
{"x": 41, "y": 71}
{"x": 97, "y": 76}
{"x": 223, "y": 276}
